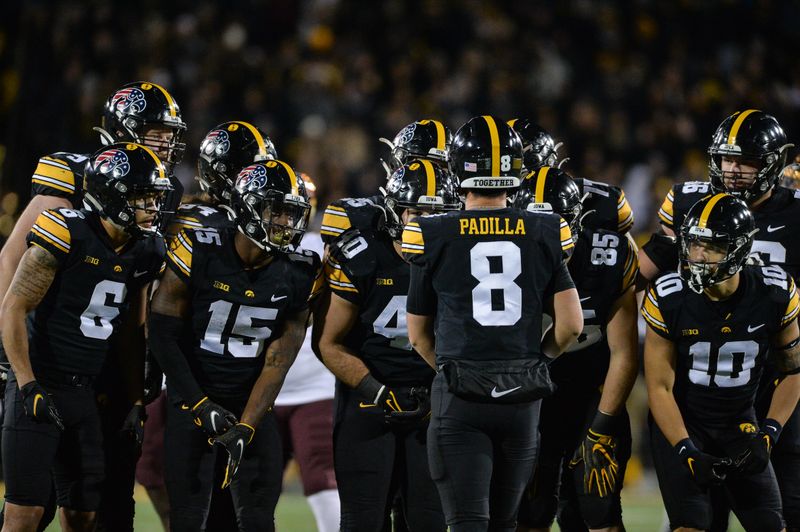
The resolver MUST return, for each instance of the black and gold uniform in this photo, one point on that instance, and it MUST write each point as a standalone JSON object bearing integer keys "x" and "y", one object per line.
{"x": 346, "y": 213}
{"x": 233, "y": 316}
{"x": 199, "y": 215}
{"x": 603, "y": 266}
{"x": 721, "y": 352}
{"x": 60, "y": 174}
{"x": 69, "y": 341}
{"x": 605, "y": 206}
{"x": 375, "y": 460}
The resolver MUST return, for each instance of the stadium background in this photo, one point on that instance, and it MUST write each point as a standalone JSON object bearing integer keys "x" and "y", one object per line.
{"x": 633, "y": 88}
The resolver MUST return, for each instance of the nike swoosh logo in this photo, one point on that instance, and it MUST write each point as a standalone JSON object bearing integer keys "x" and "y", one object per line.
{"x": 683, "y": 448}
{"x": 274, "y": 299}
{"x": 240, "y": 443}
{"x": 771, "y": 229}
{"x": 585, "y": 299}
{"x": 497, "y": 394}
{"x": 36, "y": 398}
{"x": 138, "y": 274}
{"x": 214, "y": 416}
{"x": 751, "y": 328}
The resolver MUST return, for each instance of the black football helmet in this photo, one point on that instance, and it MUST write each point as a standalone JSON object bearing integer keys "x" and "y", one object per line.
{"x": 227, "y": 149}
{"x": 723, "y": 223}
{"x": 419, "y": 185}
{"x": 423, "y": 139}
{"x": 269, "y": 205}
{"x": 486, "y": 154}
{"x": 538, "y": 147}
{"x": 552, "y": 190}
{"x": 136, "y": 107}
{"x": 751, "y": 135}
{"x": 122, "y": 178}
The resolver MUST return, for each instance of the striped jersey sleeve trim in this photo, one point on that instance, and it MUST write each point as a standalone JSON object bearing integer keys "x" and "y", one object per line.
{"x": 180, "y": 253}
{"x": 624, "y": 214}
{"x": 666, "y": 212}
{"x": 652, "y": 314}
{"x": 334, "y": 221}
{"x": 793, "y": 307}
{"x": 413, "y": 241}
{"x": 631, "y": 268}
{"x": 54, "y": 173}
{"x": 566, "y": 236}
{"x": 51, "y": 227}
{"x": 336, "y": 277}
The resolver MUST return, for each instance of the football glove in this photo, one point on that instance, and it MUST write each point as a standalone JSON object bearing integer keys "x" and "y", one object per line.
{"x": 153, "y": 377}
{"x": 395, "y": 415}
{"x": 234, "y": 441}
{"x": 704, "y": 468}
{"x": 211, "y": 417}
{"x": 38, "y": 405}
{"x": 597, "y": 452}
{"x": 133, "y": 426}
{"x": 755, "y": 457}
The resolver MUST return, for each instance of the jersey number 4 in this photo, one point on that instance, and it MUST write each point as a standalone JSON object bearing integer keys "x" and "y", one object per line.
{"x": 497, "y": 300}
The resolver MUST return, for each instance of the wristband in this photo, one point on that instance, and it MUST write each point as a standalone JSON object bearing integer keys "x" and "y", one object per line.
{"x": 772, "y": 428}
{"x": 370, "y": 389}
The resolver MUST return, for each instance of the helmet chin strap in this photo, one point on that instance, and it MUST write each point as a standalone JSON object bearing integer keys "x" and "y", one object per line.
{"x": 106, "y": 138}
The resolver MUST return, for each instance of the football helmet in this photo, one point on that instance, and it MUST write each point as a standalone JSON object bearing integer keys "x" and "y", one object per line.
{"x": 722, "y": 223}
{"x": 269, "y": 205}
{"x": 419, "y": 185}
{"x": 136, "y": 107}
{"x": 754, "y": 136}
{"x": 486, "y": 154}
{"x": 538, "y": 147}
{"x": 552, "y": 190}
{"x": 225, "y": 150}
{"x": 423, "y": 139}
{"x": 122, "y": 178}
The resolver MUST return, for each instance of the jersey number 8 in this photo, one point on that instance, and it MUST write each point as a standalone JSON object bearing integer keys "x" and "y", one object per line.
{"x": 497, "y": 300}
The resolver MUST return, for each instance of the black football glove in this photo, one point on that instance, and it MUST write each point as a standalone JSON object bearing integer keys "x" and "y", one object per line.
{"x": 755, "y": 457}
{"x": 704, "y": 468}
{"x": 395, "y": 415}
{"x": 133, "y": 426}
{"x": 234, "y": 441}
{"x": 153, "y": 378}
{"x": 211, "y": 417}
{"x": 597, "y": 452}
{"x": 375, "y": 393}
{"x": 38, "y": 405}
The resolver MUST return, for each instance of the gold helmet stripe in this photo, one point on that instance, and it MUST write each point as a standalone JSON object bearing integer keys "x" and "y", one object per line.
{"x": 707, "y": 210}
{"x": 512, "y": 122}
{"x": 152, "y": 154}
{"x": 441, "y": 138}
{"x": 738, "y": 124}
{"x": 430, "y": 175}
{"x": 494, "y": 136}
{"x": 540, "y": 180}
{"x": 173, "y": 109}
{"x": 292, "y": 177}
{"x": 262, "y": 148}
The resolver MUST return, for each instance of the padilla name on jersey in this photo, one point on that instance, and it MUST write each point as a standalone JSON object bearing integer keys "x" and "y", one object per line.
{"x": 721, "y": 345}
{"x": 345, "y": 213}
{"x": 605, "y": 206}
{"x": 60, "y": 174}
{"x": 775, "y": 242}
{"x": 365, "y": 269}
{"x": 603, "y": 266}
{"x": 81, "y": 310}
{"x": 489, "y": 269}
{"x": 199, "y": 216}
{"x": 235, "y": 313}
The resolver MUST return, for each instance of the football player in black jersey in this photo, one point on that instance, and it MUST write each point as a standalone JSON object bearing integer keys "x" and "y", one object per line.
{"x": 424, "y": 139}
{"x": 585, "y": 431}
{"x": 383, "y": 387}
{"x": 226, "y": 323}
{"x": 604, "y": 206}
{"x": 83, "y": 273}
{"x": 747, "y": 154}
{"x": 710, "y": 328}
{"x": 481, "y": 280}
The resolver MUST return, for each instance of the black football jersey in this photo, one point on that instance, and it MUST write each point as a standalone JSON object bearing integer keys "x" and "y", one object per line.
{"x": 775, "y": 242}
{"x": 365, "y": 269}
{"x": 492, "y": 271}
{"x": 721, "y": 345}
{"x": 605, "y": 206}
{"x": 603, "y": 266}
{"x": 60, "y": 174}
{"x": 81, "y": 310}
{"x": 235, "y": 313}
{"x": 345, "y": 213}
{"x": 198, "y": 216}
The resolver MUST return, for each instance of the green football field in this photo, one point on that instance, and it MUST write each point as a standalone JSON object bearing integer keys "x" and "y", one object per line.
{"x": 642, "y": 509}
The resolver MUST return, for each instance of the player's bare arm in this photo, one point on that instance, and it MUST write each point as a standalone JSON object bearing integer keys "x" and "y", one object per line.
{"x": 279, "y": 358}
{"x": 659, "y": 372}
{"x": 339, "y": 319}
{"x": 565, "y": 308}
{"x": 172, "y": 296}
{"x": 420, "y": 334}
{"x": 786, "y": 356}
{"x": 33, "y": 278}
{"x": 623, "y": 343}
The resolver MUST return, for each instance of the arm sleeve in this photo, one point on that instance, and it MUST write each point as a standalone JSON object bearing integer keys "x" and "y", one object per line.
{"x": 51, "y": 232}
{"x": 663, "y": 251}
{"x": 163, "y": 334}
{"x": 421, "y": 297}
